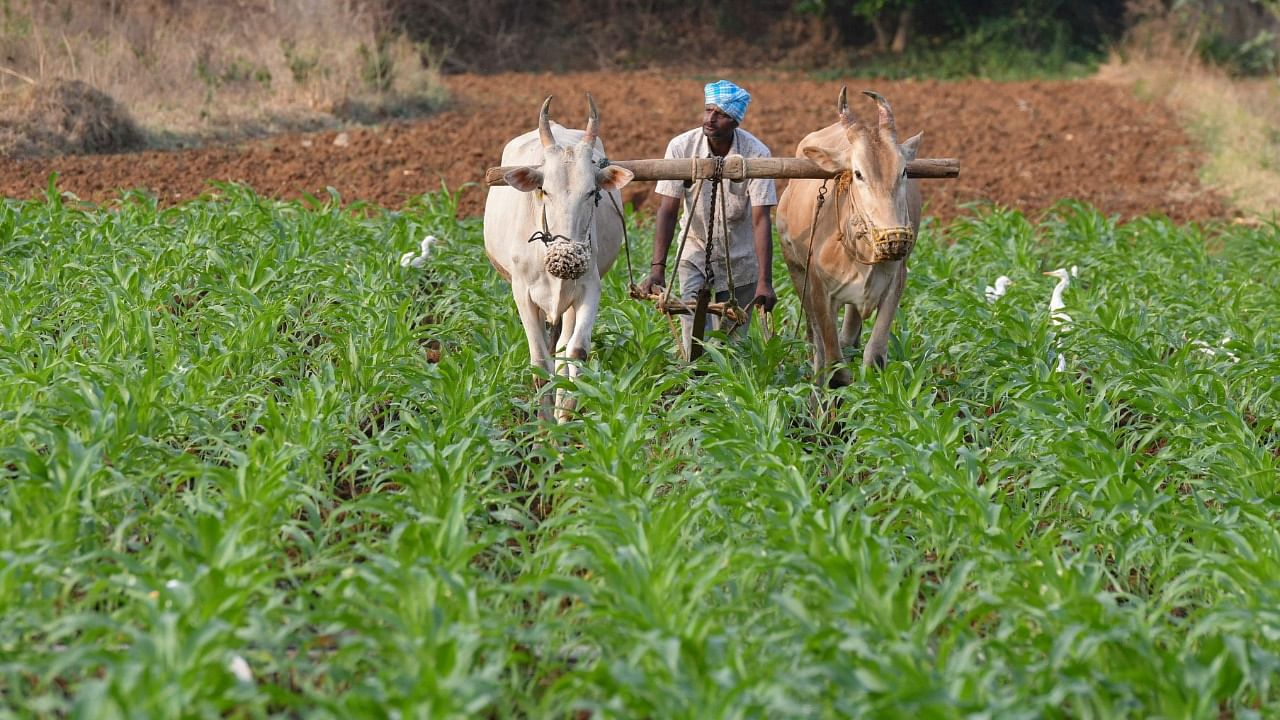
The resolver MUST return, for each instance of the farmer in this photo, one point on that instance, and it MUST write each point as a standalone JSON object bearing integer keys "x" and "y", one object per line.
{"x": 747, "y": 206}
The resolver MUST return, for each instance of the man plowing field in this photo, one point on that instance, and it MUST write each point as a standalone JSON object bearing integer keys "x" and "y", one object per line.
{"x": 730, "y": 220}
{"x": 851, "y": 254}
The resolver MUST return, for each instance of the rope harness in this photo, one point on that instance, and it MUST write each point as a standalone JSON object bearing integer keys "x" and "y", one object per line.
{"x": 813, "y": 224}
{"x": 885, "y": 244}
{"x": 730, "y": 309}
{"x": 717, "y": 209}
{"x": 717, "y": 176}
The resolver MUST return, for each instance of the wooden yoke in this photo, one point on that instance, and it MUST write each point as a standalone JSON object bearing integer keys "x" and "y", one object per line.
{"x": 737, "y": 167}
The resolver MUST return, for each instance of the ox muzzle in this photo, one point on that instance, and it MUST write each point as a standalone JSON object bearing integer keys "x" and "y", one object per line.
{"x": 867, "y": 244}
{"x": 884, "y": 244}
{"x": 566, "y": 258}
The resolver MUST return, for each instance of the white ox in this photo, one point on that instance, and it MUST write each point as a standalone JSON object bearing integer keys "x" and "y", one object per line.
{"x": 553, "y": 235}
{"x": 872, "y": 205}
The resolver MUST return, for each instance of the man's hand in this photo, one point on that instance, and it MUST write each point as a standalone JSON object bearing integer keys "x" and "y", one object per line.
{"x": 663, "y": 231}
{"x": 762, "y": 236}
{"x": 765, "y": 296}
{"x": 655, "y": 280}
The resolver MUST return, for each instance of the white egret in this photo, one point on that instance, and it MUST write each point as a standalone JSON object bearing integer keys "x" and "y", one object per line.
{"x": 1056, "y": 304}
{"x": 239, "y": 667}
{"x": 418, "y": 259}
{"x": 999, "y": 289}
{"x": 1222, "y": 349}
{"x": 1057, "y": 317}
{"x": 1225, "y": 350}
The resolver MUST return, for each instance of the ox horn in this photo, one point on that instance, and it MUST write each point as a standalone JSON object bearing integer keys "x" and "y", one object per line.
{"x": 842, "y": 108}
{"x": 886, "y": 113}
{"x": 593, "y": 123}
{"x": 544, "y": 124}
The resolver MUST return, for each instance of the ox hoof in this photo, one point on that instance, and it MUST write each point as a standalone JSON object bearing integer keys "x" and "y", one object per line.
{"x": 839, "y": 379}
{"x": 875, "y": 362}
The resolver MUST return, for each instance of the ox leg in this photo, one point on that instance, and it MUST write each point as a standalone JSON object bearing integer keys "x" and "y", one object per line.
{"x": 807, "y": 302}
{"x": 851, "y": 330}
{"x": 563, "y": 366}
{"x": 535, "y": 332}
{"x": 562, "y": 337}
{"x": 829, "y": 341}
{"x": 576, "y": 349}
{"x": 817, "y": 314}
{"x": 811, "y": 334}
{"x": 826, "y": 345}
{"x": 877, "y": 353}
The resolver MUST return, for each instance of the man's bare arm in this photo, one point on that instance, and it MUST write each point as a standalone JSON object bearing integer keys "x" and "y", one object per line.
{"x": 762, "y": 232}
{"x": 663, "y": 232}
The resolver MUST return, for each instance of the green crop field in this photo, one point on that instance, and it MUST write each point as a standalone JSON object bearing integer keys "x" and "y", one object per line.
{"x": 234, "y": 481}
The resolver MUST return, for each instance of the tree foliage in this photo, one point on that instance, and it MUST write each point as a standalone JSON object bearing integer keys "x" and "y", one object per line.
{"x": 1088, "y": 24}
{"x": 487, "y": 35}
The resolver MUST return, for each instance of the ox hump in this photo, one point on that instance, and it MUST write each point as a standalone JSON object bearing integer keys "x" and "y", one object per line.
{"x": 831, "y": 139}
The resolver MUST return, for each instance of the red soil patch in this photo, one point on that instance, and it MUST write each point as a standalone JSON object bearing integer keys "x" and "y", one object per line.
{"x": 1024, "y": 145}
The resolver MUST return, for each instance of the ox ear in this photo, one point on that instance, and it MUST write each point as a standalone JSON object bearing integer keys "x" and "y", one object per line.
{"x": 911, "y": 147}
{"x": 823, "y": 158}
{"x": 613, "y": 177}
{"x": 524, "y": 179}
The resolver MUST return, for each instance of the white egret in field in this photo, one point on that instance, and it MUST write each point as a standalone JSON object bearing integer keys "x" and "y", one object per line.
{"x": 239, "y": 667}
{"x": 1222, "y": 349}
{"x": 997, "y": 291}
{"x": 1057, "y": 316}
{"x": 1056, "y": 304}
{"x": 419, "y": 258}
{"x": 1222, "y": 345}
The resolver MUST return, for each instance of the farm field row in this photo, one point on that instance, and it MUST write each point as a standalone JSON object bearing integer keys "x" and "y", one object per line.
{"x": 1021, "y": 144}
{"x": 250, "y": 464}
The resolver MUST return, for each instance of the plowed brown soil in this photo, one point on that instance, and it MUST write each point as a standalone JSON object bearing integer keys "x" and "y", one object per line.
{"x": 1025, "y": 145}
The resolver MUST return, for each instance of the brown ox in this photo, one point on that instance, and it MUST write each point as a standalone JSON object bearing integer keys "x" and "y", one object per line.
{"x": 855, "y": 253}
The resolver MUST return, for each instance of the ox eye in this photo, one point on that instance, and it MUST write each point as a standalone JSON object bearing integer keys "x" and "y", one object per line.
{"x": 857, "y": 174}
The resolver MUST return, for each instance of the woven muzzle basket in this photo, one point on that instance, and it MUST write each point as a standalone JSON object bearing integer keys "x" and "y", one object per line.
{"x": 890, "y": 244}
{"x": 886, "y": 244}
{"x": 567, "y": 260}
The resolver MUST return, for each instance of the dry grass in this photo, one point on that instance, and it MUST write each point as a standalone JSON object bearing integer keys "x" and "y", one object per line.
{"x": 192, "y": 71}
{"x": 1237, "y": 120}
{"x": 62, "y": 116}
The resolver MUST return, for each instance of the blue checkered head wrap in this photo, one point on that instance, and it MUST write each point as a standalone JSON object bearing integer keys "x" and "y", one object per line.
{"x": 731, "y": 99}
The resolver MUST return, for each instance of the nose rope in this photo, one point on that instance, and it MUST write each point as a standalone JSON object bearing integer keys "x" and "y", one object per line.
{"x": 565, "y": 257}
{"x": 544, "y": 235}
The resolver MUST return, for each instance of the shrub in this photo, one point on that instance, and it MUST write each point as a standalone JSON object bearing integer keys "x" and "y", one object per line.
{"x": 65, "y": 116}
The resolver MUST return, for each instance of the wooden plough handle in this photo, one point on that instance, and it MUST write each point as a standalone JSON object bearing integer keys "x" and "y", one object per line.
{"x": 676, "y": 306}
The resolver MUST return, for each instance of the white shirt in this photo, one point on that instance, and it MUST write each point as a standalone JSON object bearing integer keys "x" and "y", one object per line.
{"x": 739, "y": 198}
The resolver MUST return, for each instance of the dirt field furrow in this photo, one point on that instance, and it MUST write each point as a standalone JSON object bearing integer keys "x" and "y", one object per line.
{"x": 1025, "y": 145}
